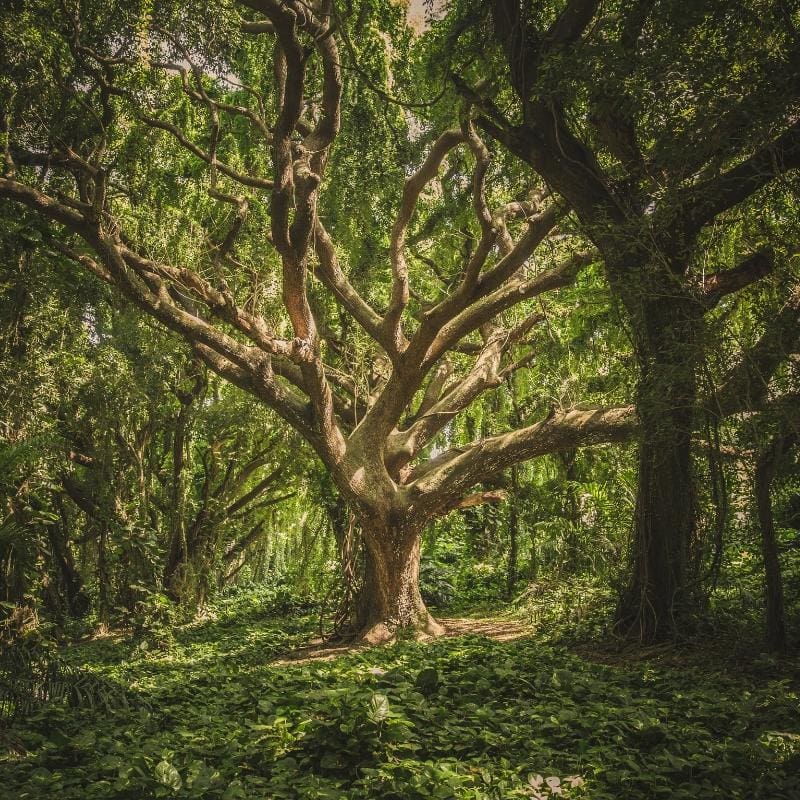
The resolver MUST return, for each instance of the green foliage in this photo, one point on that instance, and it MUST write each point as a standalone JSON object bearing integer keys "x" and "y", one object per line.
{"x": 31, "y": 674}
{"x": 118, "y": 454}
{"x": 458, "y": 719}
{"x": 153, "y": 620}
{"x": 436, "y": 582}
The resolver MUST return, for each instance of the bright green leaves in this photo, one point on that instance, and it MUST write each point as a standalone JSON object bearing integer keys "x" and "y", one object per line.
{"x": 458, "y": 719}
{"x": 378, "y": 711}
{"x": 168, "y": 776}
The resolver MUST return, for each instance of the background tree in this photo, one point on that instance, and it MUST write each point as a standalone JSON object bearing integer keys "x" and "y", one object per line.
{"x": 99, "y": 452}
{"x": 658, "y": 126}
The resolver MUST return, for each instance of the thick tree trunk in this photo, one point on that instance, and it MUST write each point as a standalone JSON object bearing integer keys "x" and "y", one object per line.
{"x": 390, "y": 600}
{"x": 773, "y": 581}
{"x": 659, "y": 599}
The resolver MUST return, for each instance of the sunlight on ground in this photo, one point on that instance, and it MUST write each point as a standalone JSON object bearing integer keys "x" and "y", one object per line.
{"x": 500, "y": 630}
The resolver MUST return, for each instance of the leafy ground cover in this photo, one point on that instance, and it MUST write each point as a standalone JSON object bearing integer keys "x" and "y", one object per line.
{"x": 217, "y": 711}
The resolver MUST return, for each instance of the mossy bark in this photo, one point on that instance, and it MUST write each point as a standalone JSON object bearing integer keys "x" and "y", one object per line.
{"x": 660, "y": 600}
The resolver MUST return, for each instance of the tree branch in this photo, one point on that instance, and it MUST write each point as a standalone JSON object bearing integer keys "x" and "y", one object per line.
{"x": 752, "y": 269}
{"x": 747, "y": 383}
{"x": 411, "y": 192}
{"x": 705, "y": 202}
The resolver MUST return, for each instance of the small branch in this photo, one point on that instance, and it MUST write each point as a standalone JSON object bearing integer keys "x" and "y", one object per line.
{"x": 507, "y": 296}
{"x": 747, "y": 383}
{"x": 411, "y": 192}
{"x": 246, "y": 180}
{"x": 476, "y": 499}
{"x": 712, "y": 197}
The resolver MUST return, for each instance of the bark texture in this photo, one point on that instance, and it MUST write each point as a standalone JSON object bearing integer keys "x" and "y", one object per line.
{"x": 773, "y": 580}
{"x": 659, "y": 601}
{"x": 390, "y": 599}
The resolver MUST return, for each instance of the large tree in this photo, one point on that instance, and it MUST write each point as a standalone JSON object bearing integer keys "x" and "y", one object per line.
{"x": 137, "y": 113}
{"x": 660, "y": 125}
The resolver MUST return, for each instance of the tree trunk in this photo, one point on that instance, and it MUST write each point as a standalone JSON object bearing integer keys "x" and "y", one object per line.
{"x": 71, "y": 581}
{"x": 513, "y": 534}
{"x": 349, "y": 547}
{"x": 659, "y": 599}
{"x": 177, "y": 551}
{"x": 573, "y": 561}
{"x": 103, "y": 579}
{"x": 177, "y": 556}
{"x": 773, "y": 581}
{"x": 390, "y": 599}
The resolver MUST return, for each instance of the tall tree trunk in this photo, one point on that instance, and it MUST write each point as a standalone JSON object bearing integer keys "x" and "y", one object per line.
{"x": 573, "y": 560}
{"x": 177, "y": 550}
{"x": 349, "y": 546}
{"x": 390, "y": 599}
{"x": 177, "y": 555}
{"x": 773, "y": 581}
{"x": 512, "y": 569}
{"x": 103, "y": 579}
{"x": 71, "y": 581}
{"x": 659, "y": 599}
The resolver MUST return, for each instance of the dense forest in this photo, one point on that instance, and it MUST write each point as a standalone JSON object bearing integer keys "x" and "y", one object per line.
{"x": 400, "y": 400}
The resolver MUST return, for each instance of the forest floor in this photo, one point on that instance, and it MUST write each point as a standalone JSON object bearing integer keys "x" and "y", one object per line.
{"x": 501, "y": 629}
{"x": 504, "y": 707}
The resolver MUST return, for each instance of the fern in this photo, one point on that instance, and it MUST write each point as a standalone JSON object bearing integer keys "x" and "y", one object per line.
{"x": 30, "y": 677}
{"x": 14, "y": 456}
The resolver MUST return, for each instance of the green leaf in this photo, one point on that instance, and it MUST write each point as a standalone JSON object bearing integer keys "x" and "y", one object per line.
{"x": 427, "y": 680}
{"x": 378, "y": 708}
{"x": 168, "y": 776}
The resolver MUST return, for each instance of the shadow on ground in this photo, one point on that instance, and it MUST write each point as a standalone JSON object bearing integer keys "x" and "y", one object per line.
{"x": 499, "y": 630}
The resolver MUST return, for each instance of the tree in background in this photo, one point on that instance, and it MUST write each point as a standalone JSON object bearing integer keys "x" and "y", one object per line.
{"x": 110, "y": 430}
{"x": 670, "y": 133}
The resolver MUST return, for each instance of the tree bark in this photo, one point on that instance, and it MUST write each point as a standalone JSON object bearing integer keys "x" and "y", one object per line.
{"x": 390, "y": 600}
{"x": 71, "y": 580}
{"x": 659, "y": 600}
{"x": 512, "y": 567}
{"x": 574, "y": 558}
{"x": 103, "y": 579}
{"x": 177, "y": 552}
{"x": 349, "y": 548}
{"x": 773, "y": 580}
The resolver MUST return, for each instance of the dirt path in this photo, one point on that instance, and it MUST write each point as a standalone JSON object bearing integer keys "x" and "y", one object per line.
{"x": 501, "y": 630}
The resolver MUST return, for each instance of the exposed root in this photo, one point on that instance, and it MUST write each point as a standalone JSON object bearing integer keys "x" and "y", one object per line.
{"x": 380, "y": 634}
{"x": 433, "y": 628}
{"x": 383, "y": 633}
